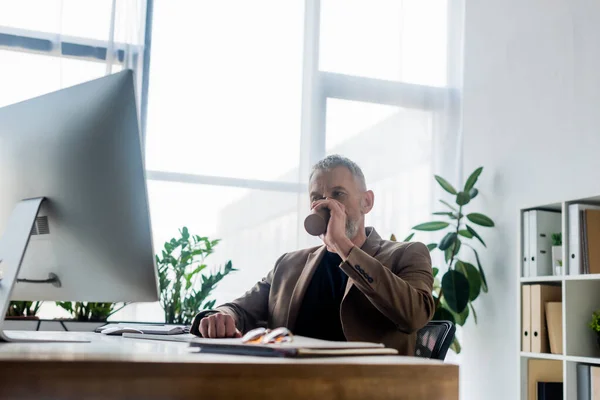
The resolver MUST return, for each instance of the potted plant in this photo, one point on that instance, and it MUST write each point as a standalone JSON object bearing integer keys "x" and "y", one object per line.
{"x": 184, "y": 290}
{"x": 23, "y": 310}
{"x": 595, "y": 325}
{"x": 462, "y": 282}
{"x": 557, "y": 262}
{"x": 87, "y": 316}
{"x": 22, "y": 315}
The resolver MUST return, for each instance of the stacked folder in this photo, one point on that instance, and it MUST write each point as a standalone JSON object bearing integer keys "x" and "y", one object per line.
{"x": 541, "y": 319}
{"x": 584, "y": 239}
{"x": 538, "y": 227}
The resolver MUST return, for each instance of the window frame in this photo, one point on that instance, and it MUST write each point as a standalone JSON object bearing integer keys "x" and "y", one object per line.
{"x": 79, "y": 48}
{"x": 317, "y": 86}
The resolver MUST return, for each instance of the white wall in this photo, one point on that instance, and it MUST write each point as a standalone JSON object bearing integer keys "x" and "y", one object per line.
{"x": 532, "y": 119}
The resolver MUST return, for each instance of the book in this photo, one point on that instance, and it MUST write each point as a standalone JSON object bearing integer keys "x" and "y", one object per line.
{"x": 540, "y": 295}
{"x": 576, "y": 237}
{"x": 583, "y": 382}
{"x": 299, "y": 347}
{"x": 550, "y": 390}
{"x": 592, "y": 241}
{"x": 526, "y": 247}
{"x": 526, "y": 318}
{"x": 595, "y": 382}
{"x": 555, "y": 329}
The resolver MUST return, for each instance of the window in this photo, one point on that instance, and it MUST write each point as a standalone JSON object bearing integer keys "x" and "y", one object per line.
{"x": 398, "y": 40}
{"x": 46, "y": 45}
{"x": 226, "y": 81}
{"x": 243, "y": 103}
{"x": 244, "y": 96}
{"x": 393, "y": 147}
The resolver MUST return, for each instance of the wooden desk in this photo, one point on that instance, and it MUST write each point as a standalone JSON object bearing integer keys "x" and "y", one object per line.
{"x": 121, "y": 368}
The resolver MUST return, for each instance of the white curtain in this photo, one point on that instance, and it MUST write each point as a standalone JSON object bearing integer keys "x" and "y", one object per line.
{"x": 46, "y": 45}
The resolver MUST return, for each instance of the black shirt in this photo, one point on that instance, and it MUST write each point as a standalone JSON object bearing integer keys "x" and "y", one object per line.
{"x": 319, "y": 315}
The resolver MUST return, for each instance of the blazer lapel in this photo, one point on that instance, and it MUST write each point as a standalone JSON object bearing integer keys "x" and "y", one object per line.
{"x": 371, "y": 247}
{"x": 310, "y": 267}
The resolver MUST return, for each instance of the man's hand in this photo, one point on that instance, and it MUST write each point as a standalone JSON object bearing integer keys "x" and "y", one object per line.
{"x": 219, "y": 325}
{"x": 335, "y": 237}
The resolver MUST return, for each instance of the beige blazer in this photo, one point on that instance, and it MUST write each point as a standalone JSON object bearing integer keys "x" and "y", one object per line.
{"x": 387, "y": 298}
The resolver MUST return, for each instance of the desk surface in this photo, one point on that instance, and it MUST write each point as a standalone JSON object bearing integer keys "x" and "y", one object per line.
{"x": 115, "y": 367}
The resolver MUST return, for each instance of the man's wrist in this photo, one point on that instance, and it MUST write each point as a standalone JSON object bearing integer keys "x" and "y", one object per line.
{"x": 344, "y": 248}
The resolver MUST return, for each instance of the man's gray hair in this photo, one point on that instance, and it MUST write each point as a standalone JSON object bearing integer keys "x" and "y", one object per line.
{"x": 334, "y": 161}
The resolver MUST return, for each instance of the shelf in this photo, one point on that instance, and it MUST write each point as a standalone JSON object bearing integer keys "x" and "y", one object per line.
{"x": 585, "y": 360}
{"x": 545, "y": 356}
{"x": 583, "y": 277}
{"x": 549, "y": 278}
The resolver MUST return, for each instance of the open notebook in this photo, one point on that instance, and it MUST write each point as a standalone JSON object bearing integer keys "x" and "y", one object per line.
{"x": 300, "y": 347}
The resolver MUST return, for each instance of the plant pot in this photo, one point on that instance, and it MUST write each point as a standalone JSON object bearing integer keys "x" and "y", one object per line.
{"x": 22, "y": 318}
{"x": 557, "y": 260}
{"x": 598, "y": 339}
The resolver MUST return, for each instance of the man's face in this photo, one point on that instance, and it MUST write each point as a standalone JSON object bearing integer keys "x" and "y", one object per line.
{"x": 339, "y": 184}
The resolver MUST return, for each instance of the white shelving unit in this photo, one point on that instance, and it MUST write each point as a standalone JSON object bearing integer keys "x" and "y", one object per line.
{"x": 580, "y": 297}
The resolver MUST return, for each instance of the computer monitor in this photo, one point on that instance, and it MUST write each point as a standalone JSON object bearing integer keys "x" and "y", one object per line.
{"x": 75, "y": 155}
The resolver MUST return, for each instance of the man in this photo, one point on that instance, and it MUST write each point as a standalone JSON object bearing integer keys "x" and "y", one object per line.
{"x": 355, "y": 287}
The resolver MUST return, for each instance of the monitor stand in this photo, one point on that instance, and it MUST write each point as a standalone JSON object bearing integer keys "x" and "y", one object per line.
{"x": 12, "y": 250}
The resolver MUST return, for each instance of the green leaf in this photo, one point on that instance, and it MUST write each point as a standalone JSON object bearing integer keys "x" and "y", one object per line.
{"x": 455, "y": 288}
{"x": 484, "y": 285}
{"x": 446, "y": 214}
{"x": 457, "y": 246}
{"x": 480, "y": 219}
{"x": 445, "y": 185}
{"x": 475, "y": 234}
{"x": 407, "y": 239}
{"x": 448, "y": 254}
{"x": 474, "y": 313}
{"x": 435, "y": 271}
{"x": 455, "y": 249}
{"x": 447, "y": 241}
{"x": 432, "y": 246}
{"x": 473, "y": 179}
{"x": 431, "y": 226}
{"x": 463, "y": 199}
{"x": 441, "y": 314}
{"x": 455, "y": 346}
{"x": 465, "y": 233}
{"x": 448, "y": 205}
{"x": 473, "y": 193}
{"x": 461, "y": 318}
{"x": 472, "y": 275}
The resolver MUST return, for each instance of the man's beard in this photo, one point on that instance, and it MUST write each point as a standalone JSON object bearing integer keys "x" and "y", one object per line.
{"x": 351, "y": 228}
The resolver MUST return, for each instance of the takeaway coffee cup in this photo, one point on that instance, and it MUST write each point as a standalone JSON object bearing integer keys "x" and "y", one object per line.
{"x": 316, "y": 222}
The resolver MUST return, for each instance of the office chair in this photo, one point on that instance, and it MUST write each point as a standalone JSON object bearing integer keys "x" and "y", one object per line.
{"x": 434, "y": 339}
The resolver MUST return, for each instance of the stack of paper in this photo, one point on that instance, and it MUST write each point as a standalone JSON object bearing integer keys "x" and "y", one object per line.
{"x": 149, "y": 329}
{"x": 299, "y": 347}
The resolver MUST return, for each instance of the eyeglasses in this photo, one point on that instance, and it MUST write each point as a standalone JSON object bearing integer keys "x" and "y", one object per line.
{"x": 267, "y": 336}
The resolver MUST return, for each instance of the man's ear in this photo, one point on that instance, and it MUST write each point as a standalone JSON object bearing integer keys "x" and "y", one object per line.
{"x": 368, "y": 201}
